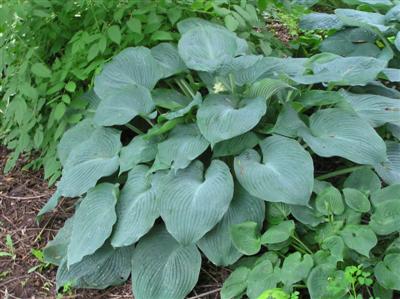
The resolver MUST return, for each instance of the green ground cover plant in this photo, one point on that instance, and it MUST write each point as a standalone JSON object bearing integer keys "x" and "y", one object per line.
{"x": 204, "y": 147}
{"x": 50, "y": 52}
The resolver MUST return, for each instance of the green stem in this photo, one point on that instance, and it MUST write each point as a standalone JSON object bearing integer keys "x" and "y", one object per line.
{"x": 298, "y": 248}
{"x": 232, "y": 82}
{"x": 182, "y": 88}
{"x": 134, "y": 129}
{"x": 187, "y": 87}
{"x": 302, "y": 244}
{"x": 339, "y": 172}
{"x": 148, "y": 121}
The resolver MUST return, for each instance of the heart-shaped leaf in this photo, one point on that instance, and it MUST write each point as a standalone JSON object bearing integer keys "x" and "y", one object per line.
{"x": 390, "y": 171}
{"x": 336, "y": 132}
{"x": 93, "y": 222}
{"x": 217, "y": 244}
{"x": 359, "y": 238}
{"x": 222, "y": 117}
{"x": 284, "y": 175}
{"x": 162, "y": 268}
{"x": 136, "y": 208}
{"x": 192, "y": 203}
{"x": 92, "y": 159}
{"x": 168, "y": 57}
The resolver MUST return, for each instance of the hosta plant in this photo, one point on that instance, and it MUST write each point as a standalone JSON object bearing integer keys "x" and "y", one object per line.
{"x": 190, "y": 149}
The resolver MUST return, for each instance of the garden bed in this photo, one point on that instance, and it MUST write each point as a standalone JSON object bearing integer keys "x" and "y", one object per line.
{"x": 22, "y": 194}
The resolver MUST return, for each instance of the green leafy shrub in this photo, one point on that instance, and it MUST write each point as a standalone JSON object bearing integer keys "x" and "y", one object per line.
{"x": 195, "y": 146}
{"x": 50, "y": 52}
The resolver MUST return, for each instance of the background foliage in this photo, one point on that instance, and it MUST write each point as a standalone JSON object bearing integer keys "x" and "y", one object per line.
{"x": 51, "y": 50}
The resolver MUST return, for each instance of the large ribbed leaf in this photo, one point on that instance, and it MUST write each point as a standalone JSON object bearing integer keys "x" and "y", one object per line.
{"x": 266, "y": 88}
{"x": 56, "y": 250}
{"x": 136, "y": 208}
{"x": 139, "y": 150}
{"x": 93, "y": 222}
{"x": 208, "y": 47}
{"x": 94, "y": 158}
{"x": 162, "y": 268}
{"x": 320, "y": 21}
{"x": 351, "y": 42}
{"x": 192, "y": 203}
{"x": 235, "y": 145}
{"x": 343, "y": 70}
{"x": 357, "y": 18}
{"x": 222, "y": 117}
{"x": 378, "y": 110}
{"x": 387, "y": 272}
{"x": 390, "y": 170}
{"x": 168, "y": 57}
{"x": 169, "y": 99}
{"x": 336, "y": 132}
{"x": 217, "y": 244}
{"x": 183, "y": 145}
{"x": 285, "y": 174}
{"x": 74, "y": 137}
{"x": 106, "y": 267}
{"x": 132, "y": 66}
{"x": 127, "y": 102}
{"x": 185, "y": 110}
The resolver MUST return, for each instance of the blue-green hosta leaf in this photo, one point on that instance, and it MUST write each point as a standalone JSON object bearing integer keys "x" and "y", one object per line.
{"x": 169, "y": 99}
{"x": 132, "y": 66}
{"x": 315, "y": 98}
{"x": 364, "y": 180}
{"x": 266, "y": 88}
{"x": 235, "y": 145}
{"x": 373, "y": 3}
{"x": 222, "y": 117}
{"x": 168, "y": 57}
{"x": 351, "y": 42}
{"x": 356, "y": 200}
{"x": 343, "y": 71}
{"x": 336, "y": 132}
{"x": 269, "y": 67}
{"x": 56, "y": 250}
{"x": 288, "y": 122}
{"x": 183, "y": 145}
{"x": 320, "y": 21}
{"x": 377, "y": 110}
{"x": 392, "y": 75}
{"x": 335, "y": 245}
{"x": 306, "y": 215}
{"x": 136, "y": 208}
{"x": 127, "y": 102}
{"x": 235, "y": 284}
{"x": 106, "y": 267}
{"x": 162, "y": 268}
{"x": 192, "y": 203}
{"x": 285, "y": 174}
{"x": 73, "y": 137}
{"x": 395, "y": 130}
{"x": 387, "y": 272}
{"x": 390, "y": 171}
{"x": 386, "y": 217}
{"x": 89, "y": 161}
{"x": 217, "y": 244}
{"x": 181, "y": 112}
{"x": 93, "y": 222}
{"x": 358, "y": 18}
{"x": 295, "y": 268}
{"x": 393, "y": 14}
{"x": 208, "y": 47}
{"x": 278, "y": 233}
{"x": 329, "y": 202}
{"x": 360, "y": 238}
{"x": 139, "y": 150}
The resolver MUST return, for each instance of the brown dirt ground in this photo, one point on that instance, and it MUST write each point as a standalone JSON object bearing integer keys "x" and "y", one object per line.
{"x": 22, "y": 194}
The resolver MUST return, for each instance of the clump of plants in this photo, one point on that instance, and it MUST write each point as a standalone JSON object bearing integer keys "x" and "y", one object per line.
{"x": 205, "y": 151}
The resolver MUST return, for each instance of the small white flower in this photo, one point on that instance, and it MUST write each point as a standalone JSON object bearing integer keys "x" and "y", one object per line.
{"x": 219, "y": 87}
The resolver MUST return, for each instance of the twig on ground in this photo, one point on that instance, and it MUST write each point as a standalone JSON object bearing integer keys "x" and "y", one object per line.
{"x": 205, "y": 294}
